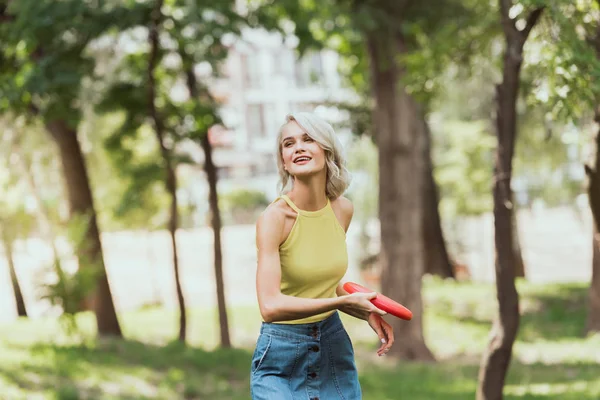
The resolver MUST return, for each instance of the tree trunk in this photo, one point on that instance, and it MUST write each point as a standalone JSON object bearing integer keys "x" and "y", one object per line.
{"x": 171, "y": 179}
{"x": 593, "y": 173}
{"x": 211, "y": 174}
{"x": 8, "y": 251}
{"x": 81, "y": 204}
{"x": 437, "y": 261}
{"x": 519, "y": 263}
{"x": 215, "y": 213}
{"x": 593, "y": 319}
{"x": 496, "y": 359}
{"x": 399, "y": 138}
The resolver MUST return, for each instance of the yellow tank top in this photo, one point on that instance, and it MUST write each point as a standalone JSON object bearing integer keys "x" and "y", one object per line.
{"x": 314, "y": 257}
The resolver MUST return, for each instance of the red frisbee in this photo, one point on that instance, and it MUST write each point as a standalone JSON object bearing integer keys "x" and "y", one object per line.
{"x": 382, "y": 302}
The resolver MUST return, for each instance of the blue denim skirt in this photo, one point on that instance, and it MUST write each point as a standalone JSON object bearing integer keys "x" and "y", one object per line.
{"x": 304, "y": 362}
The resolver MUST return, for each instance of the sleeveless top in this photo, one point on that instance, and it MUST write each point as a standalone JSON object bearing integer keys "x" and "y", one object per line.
{"x": 313, "y": 258}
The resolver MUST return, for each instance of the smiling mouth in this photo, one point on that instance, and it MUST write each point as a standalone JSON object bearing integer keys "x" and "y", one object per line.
{"x": 302, "y": 159}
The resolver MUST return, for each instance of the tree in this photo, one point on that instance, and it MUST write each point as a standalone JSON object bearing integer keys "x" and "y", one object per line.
{"x": 15, "y": 221}
{"x": 225, "y": 21}
{"x": 386, "y": 38}
{"x": 190, "y": 34}
{"x": 593, "y": 173}
{"x": 496, "y": 358}
{"x": 215, "y": 214}
{"x": 41, "y": 76}
{"x": 156, "y": 20}
{"x": 437, "y": 260}
{"x": 394, "y": 33}
{"x": 570, "y": 93}
{"x": 399, "y": 138}
{"x": 7, "y": 244}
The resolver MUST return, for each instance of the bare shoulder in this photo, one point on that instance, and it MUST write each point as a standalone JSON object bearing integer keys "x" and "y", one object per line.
{"x": 344, "y": 205}
{"x": 272, "y": 216}
{"x": 278, "y": 210}
{"x": 344, "y": 210}
{"x": 273, "y": 220}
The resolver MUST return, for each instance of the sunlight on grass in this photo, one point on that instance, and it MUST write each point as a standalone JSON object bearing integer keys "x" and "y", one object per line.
{"x": 552, "y": 360}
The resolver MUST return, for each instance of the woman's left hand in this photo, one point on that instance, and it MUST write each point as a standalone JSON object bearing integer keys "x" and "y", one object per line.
{"x": 384, "y": 331}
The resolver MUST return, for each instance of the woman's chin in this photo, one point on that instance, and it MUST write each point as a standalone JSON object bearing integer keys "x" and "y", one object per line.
{"x": 306, "y": 172}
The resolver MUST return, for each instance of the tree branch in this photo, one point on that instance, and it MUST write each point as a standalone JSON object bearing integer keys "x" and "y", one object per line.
{"x": 532, "y": 19}
{"x": 589, "y": 171}
{"x": 505, "y": 6}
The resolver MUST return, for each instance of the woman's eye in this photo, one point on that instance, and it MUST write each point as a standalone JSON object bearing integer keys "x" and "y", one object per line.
{"x": 287, "y": 144}
{"x": 309, "y": 139}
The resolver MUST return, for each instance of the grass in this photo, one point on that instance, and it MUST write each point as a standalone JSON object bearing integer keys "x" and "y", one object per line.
{"x": 551, "y": 360}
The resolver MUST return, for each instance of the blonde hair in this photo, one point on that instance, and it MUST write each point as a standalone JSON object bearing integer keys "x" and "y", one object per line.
{"x": 338, "y": 177}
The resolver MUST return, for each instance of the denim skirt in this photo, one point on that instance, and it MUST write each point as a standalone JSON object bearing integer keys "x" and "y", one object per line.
{"x": 304, "y": 362}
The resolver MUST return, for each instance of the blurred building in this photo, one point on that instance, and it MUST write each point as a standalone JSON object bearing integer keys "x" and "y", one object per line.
{"x": 263, "y": 80}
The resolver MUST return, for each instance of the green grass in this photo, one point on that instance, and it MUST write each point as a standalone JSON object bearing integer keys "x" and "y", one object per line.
{"x": 551, "y": 359}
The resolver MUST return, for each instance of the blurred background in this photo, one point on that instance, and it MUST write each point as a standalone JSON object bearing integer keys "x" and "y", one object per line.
{"x": 137, "y": 150}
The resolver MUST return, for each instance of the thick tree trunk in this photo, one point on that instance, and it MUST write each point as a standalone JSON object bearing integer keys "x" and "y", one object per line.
{"x": 593, "y": 319}
{"x": 82, "y": 204}
{"x": 496, "y": 359}
{"x": 171, "y": 179}
{"x": 399, "y": 138}
{"x": 437, "y": 261}
{"x": 593, "y": 173}
{"x": 8, "y": 251}
{"x": 215, "y": 214}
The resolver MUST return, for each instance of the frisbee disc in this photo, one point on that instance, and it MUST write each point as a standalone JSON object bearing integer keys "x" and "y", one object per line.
{"x": 382, "y": 302}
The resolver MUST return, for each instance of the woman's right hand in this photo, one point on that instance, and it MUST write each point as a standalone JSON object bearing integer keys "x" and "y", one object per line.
{"x": 362, "y": 302}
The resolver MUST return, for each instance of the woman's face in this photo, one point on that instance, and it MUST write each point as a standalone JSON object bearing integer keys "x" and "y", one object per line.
{"x": 302, "y": 156}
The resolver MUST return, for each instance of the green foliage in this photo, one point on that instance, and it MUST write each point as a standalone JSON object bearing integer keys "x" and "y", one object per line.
{"x": 244, "y": 199}
{"x": 464, "y": 158}
{"x": 43, "y": 53}
{"x": 564, "y": 65}
{"x": 67, "y": 288}
{"x": 192, "y": 34}
{"x": 243, "y": 205}
{"x": 17, "y": 219}
{"x": 68, "y": 291}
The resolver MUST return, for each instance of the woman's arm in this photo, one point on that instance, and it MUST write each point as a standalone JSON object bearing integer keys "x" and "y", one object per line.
{"x": 275, "y": 306}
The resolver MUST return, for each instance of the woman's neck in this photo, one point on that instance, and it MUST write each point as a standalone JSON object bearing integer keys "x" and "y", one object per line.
{"x": 309, "y": 195}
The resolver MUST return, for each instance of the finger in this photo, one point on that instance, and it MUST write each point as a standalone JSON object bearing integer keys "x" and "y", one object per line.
{"x": 371, "y": 295}
{"x": 379, "y": 311}
{"x": 389, "y": 333}
{"x": 382, "y": 337}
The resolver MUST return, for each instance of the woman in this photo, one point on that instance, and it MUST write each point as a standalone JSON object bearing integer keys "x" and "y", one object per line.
{"x": 303, "y": 351}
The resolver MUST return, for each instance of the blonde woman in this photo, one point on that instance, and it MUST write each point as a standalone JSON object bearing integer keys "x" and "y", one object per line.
{"x": 303, "y": 351}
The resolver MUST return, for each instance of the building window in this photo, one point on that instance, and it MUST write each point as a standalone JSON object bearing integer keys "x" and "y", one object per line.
{"x": 309, "y": 70}
{"x": 255, "y": 119}
{"x": 303, "y": 107}
{"x": 284, "y": 61}
{"x": 251, "y": 70}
